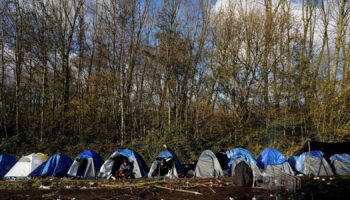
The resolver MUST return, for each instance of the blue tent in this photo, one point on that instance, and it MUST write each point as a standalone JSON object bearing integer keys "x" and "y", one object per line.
{"x": 341, "y": 163}
{"x": 270, "y": 156}
{"x": 57, "y": 166}
{"x": 86, "y": 165}
{"x": 140, "y": 167}
{"x": 272, "y": 161}
{"x": 311, "y": 162}
{"x": 6, "y": 163}
{"x": 173, "y": 172}
{"x": 170, "y": 154}
{"x": 95, "y": 157}
{"x": 133, "y": 154}
{"x": 237, "y": 155}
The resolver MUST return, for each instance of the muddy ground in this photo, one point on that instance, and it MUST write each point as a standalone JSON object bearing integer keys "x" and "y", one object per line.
{"x": 322, "y": 188}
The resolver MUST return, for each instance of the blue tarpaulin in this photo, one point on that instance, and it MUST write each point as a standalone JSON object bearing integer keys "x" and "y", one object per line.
{"x": 6, "y": 163}
{"x": 240, "y": 153}
{"x": 95, "y": 157}
{"x": 270, "y": 156}
{"x": 344, "y": 157}
{"x": 170, "y": 154}
{"x": 57, "y": 166}
{"x": 132, "y": 154}
{"x": 237, "y": 155}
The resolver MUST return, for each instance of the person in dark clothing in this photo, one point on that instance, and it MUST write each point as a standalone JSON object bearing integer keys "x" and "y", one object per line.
{"x": 125, "y": 170}
{"x": 243, "y": 175}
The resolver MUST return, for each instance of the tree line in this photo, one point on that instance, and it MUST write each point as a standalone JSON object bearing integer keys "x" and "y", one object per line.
{"x": 79, "y": 74}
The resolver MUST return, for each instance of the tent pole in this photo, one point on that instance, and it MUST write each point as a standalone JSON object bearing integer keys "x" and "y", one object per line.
{"x": 309, "y": 148}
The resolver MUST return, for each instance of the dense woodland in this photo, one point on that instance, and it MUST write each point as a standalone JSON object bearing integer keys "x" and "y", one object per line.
{"x": 78, "y": 74}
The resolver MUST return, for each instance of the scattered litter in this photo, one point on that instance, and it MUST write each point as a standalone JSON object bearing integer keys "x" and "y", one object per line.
{"x": 254, "y": 198}
{"x": 323, "y": 179}
{"x": 44, "y": 187}
{"x": 83, "y": 188}
{"x": 328, "y": 183}
{"x": 49, "y": 195}
{"x": 331, "y": 178}
{"x": 68, "y": 187}
{"x": 231, "y": 198}
{"x": 179, "y": 190}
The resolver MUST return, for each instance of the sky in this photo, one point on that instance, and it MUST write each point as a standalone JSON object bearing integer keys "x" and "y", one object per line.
{"x": 296, "y": 7}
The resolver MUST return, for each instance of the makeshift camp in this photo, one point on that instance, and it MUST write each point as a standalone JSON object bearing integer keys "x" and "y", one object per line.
{"x": 6, "y": 163}
{"x": 273, "y": 162}
{"x": 238, "y": 155}
{"x": 341, "y": 163}
{"x": 25, "y": 166}
{"x": 166, "y": 165}
{"x": 208, "y": 166}
{"x": 311, "y": 163}
{"x": 112, "y": 165}
{"x": 86, "y": 165}
{"x": 57, "y": 166}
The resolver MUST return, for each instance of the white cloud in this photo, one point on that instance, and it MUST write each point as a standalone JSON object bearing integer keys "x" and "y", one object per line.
{"x": 222, "y": 6}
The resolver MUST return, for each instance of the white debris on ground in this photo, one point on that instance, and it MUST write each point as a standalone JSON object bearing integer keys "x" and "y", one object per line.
{"x": 44, "y": 187}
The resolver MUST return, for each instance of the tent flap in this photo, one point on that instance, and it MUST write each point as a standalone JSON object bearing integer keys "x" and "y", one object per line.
{"x": 6, "y": 163}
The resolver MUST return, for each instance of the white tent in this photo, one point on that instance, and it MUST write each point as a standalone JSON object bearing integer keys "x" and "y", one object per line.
{"x": 208, "y": 166}
{"x": 26, "y": 165}
{"x": 85, "y": 165}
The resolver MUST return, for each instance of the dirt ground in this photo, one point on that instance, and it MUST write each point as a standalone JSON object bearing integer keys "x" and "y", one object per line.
{"x": 322, "y": 188}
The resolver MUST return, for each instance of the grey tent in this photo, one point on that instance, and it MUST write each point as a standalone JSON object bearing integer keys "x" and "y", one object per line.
{"x": 311, "y": 162}
{"x": 208, "y": 166}
{"x": 238, "y": 155}
{"x": 273, "y": 162}
{"x": 85, "y": 165}
{"x": 166, "y": 165}
{"x": 341, "y": 163}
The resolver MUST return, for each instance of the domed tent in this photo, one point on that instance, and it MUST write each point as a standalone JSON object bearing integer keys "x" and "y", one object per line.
{"x": 238, "y": 155}
{"x": 341, "y": 163}
{"x": 309, "y": 163}
{"x": 166, "y": 165}
{"x": 6, "y": 163}
{"x": 113, "y": 163}
{"x": 25, "y": 166}
{"x": 57, "y": 166}
{"x": 208, "y": 166}
{"x": 272, "y": 161}
{"x": 86, "y": 165}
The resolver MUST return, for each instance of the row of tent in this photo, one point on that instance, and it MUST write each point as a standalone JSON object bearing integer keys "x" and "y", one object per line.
{"x": 90, "y": 165}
